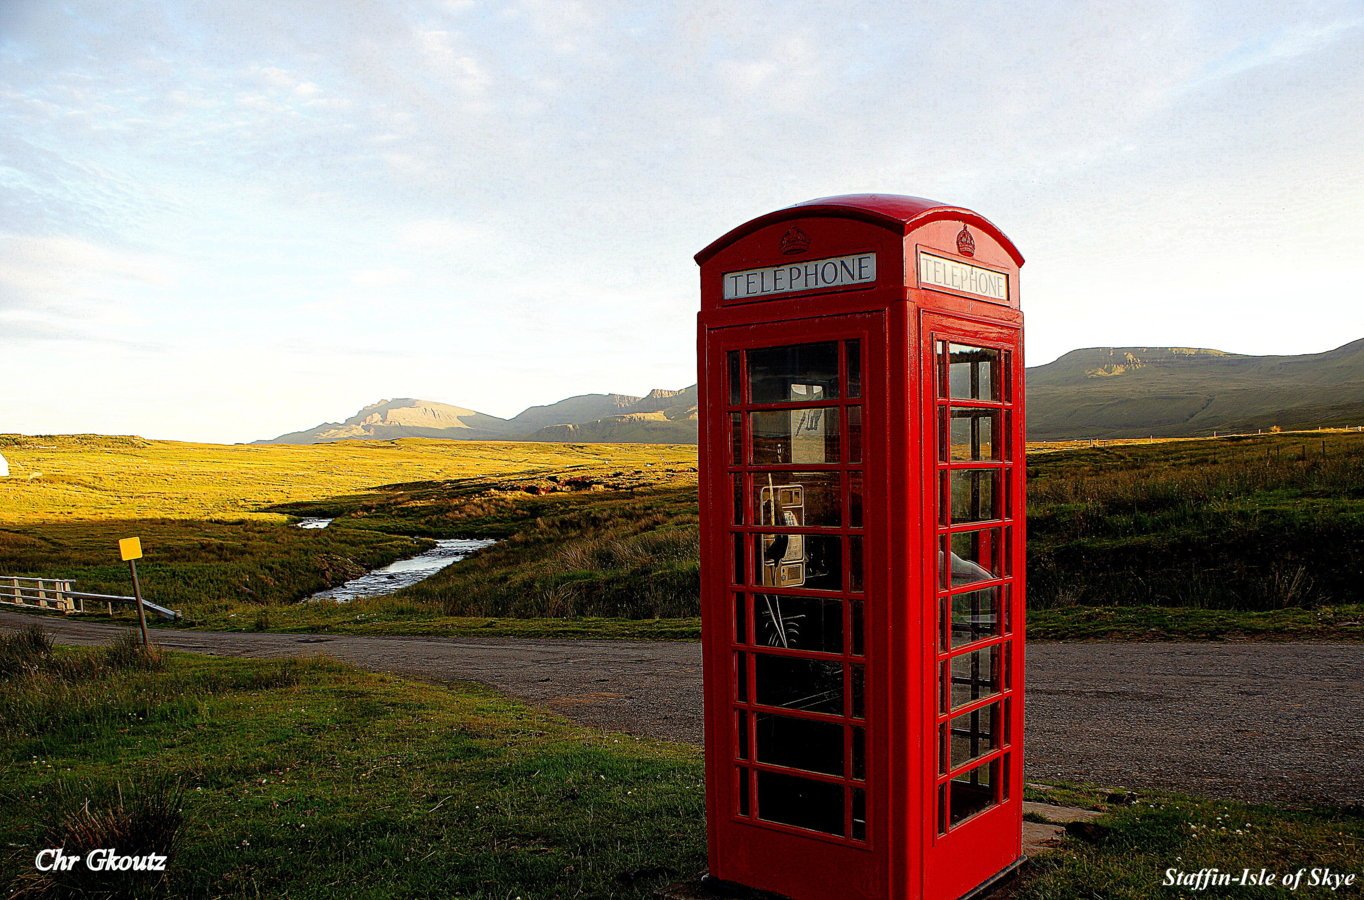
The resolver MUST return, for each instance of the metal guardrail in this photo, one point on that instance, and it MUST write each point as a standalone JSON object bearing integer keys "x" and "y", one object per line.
{"x": 56, "y": 595}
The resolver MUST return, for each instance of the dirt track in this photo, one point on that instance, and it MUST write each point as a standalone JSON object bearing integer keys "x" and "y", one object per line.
{"x": 1257, "y": 721}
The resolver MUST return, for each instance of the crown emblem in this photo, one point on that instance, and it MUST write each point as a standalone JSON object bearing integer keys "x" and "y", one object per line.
{"x": 794, "y": 241}
{"x": 966, "y": 245}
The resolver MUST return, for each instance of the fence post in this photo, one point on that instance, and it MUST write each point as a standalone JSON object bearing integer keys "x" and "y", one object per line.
{"x": 137, "y": 599}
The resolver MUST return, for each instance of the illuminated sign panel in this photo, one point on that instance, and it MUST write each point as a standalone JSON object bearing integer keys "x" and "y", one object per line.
{"x": 813, "y": 275}
{"x": 955, "y": 275}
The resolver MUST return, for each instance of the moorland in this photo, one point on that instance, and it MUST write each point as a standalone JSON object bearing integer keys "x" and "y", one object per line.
{"x": 1258, "y": 535}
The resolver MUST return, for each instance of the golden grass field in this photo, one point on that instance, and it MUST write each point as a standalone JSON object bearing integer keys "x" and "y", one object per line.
{"x": 87, "y": 477}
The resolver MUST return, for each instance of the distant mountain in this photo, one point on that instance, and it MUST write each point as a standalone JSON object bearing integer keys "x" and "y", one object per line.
{"x": 1110, "y": 392}
{"x": 582, "y": 408}
{"x": 391, "y": 419}
{"x": 1101, "y": 392}
{"x": 663, "y": 417}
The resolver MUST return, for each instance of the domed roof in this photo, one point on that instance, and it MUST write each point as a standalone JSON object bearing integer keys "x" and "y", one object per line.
{"x": 894, "y": 211}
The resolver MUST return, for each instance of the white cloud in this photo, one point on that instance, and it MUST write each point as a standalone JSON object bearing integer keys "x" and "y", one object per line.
{"x": 443, "y": 234}
{"x": 58, "y": 272}
{"x": 389, "y": 276}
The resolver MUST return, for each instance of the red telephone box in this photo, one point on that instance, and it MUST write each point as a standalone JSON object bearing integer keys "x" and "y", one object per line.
{"x": 862, "y": 519}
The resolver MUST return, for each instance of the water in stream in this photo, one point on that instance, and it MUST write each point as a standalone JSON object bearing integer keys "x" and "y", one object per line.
{"x": 313, "y": 524}
{"x": 404, "y": 572}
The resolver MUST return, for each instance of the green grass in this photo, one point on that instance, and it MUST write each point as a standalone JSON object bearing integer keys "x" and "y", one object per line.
{"x": 1239, "y": 523}
{"x": 385, "y": 615}
{"x": 1126, "y": 853}
{"x": 313, "y": 779}
{"x": 1156, "y": 623}
{"x": 310, "y": 778}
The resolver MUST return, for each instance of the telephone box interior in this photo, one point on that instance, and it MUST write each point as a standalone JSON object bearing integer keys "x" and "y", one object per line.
{"x": 861, "y": 403}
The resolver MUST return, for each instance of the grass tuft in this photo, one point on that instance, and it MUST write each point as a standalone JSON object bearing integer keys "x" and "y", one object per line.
{"x": 136, "y": 820}
{"x": 25, "y": 651}
{"x": 126, "y": 653}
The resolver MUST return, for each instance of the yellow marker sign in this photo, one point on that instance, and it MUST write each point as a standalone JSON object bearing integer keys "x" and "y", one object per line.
{"x": 130, "y": 548}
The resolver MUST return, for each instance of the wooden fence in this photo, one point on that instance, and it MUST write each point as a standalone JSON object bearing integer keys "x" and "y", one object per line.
{"x": 56, "y": 595}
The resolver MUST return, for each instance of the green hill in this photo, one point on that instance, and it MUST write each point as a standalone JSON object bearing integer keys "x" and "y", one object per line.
{"x": 1111, "y": 392}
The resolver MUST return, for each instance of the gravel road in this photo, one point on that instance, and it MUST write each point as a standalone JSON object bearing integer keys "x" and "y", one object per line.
{"x": 1254, "y": 721}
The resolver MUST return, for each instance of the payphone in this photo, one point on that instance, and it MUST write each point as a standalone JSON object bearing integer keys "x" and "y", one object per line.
{"x": 862, "y": 530}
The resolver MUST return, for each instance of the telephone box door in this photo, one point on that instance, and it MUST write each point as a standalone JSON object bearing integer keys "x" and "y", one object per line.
{"x": 973, "y": 528}
{"x": 794, "y": 722}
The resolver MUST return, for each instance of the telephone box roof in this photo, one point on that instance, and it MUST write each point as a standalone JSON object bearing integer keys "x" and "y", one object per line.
{"x": 893, "y": 211}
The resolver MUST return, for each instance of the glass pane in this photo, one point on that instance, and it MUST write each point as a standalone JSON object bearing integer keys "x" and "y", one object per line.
{"x": 854, "y": 352}
{"x": 972, "y": 435}
{"x": 739, "y": 559}
{"x": 855, "y": 564}
{"x": 800, "y": 744}
{"x": 859, "y": 753}
{"x": 973, "y": 735}
{"x": 975, "y": 495}
{"x": 738, "y": 499}
{"x": 793, "y": 499}
{"x": 973, "y": 791}
{"x": 736, "y": 439}
{"x": 798, "y": 623}
{"x": 859, "y": 814}
{"x": 855, "y": 499}
{"x": 740, "y": 620}
{"x": 972, "y": 616}
{"x": 743, "y": 792}
{"x": 815, "y": 805}
{"x": 795, "y": 436}
{"x": 972, "y": 372}
{"x": 795, "y": 683}
{"x": 854, "y": 434}
{"x": 857, "y": 638}
{"x": 741, "y": 677}
{"x": 800, "y": 373}
{"x": 974, "y": 675}
{"x": 741, "y": 727}
{"x": 859, "y": 692}
{"x": 973, "y": 556}
{"x": 810, "y": 561}
{"x": 734, "y": 378}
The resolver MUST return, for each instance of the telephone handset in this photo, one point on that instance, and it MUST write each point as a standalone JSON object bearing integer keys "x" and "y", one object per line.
{"x": 783, "y": 563}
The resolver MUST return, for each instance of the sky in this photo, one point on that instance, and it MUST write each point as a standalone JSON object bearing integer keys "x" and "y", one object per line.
{"x": 222, "y": 221}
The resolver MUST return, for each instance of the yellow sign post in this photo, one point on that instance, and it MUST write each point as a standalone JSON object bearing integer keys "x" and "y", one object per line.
{"x": 131, "y": 551}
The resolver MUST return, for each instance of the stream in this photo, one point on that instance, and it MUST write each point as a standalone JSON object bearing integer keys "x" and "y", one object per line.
{"x": 404, "y": 572}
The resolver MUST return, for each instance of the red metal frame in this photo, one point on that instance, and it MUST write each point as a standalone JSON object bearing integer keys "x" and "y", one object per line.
{"x": 897, "y": 324}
